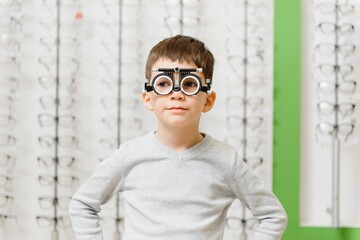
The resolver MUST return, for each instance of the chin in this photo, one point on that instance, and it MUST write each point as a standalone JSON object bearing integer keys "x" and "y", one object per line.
{"x": 177, "y": 124}
{"x": 180, "y": 124}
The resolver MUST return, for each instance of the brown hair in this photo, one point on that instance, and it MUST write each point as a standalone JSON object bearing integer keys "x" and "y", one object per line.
{"x": 184, "y": 49}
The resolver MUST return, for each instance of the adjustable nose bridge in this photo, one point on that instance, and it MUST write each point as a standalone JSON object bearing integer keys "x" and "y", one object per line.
{"x": 176, "y": 79}
{"x": 177, "y": 88}
{"x": 177, "y": 93}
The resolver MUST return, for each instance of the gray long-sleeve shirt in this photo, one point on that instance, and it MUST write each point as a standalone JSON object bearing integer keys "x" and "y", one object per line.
{"x": 175, "y": 196}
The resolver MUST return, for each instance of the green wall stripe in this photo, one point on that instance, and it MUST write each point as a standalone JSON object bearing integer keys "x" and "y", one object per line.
{"x": 287, "y": 68}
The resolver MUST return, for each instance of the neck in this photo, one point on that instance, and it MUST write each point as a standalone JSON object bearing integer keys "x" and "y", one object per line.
{"x": 179, "y": 138}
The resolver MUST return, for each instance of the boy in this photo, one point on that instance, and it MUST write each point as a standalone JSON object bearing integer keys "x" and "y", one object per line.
{"x": 177, "y": 183}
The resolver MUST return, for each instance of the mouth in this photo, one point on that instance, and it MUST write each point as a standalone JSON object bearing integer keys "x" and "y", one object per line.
{"x": 177, "y": 108}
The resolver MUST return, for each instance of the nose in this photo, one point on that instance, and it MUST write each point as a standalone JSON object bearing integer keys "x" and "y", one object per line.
{"x": 177, "y": 95}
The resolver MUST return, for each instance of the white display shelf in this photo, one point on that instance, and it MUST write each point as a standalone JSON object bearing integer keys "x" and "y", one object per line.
{"x": 318, "y": 182}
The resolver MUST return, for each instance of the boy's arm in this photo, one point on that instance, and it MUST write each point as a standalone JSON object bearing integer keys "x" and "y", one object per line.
{"x": 263, "y": 204}
{"x": 97, "y": 190}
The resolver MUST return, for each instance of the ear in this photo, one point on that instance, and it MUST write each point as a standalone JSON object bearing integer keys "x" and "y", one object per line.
{"x": 147, "y": 101}
{"x": 210, "y": 100}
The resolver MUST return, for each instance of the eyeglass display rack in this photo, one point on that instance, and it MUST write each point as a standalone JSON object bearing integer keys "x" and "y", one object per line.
{"x": 248, "y": 114}
{"x": 244, "y": 217}
{"x": 56, "y": 120}
{"x": 9, "y": 82}
{"x": 336, "y": 142}
{"x": 134, "y": 26}
{"x": 55, "y": 229}
{"x": 333, "y": 199}
{"x": 118, "y": 218}
{"x": 118, "y": 105}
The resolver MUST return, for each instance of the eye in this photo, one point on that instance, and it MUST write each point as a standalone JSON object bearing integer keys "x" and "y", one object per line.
{"x": 190, "y": 84}
{"x": 163, "y": 83}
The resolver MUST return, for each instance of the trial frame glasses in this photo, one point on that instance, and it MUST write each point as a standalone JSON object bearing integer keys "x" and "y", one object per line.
{"x": 189, "y": 83}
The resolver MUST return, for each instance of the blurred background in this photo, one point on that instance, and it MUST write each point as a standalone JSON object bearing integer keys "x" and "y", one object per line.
{"x": 71, "y": 73}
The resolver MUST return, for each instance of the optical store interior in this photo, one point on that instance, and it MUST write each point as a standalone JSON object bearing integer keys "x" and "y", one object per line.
{"x": 286, "y": 78}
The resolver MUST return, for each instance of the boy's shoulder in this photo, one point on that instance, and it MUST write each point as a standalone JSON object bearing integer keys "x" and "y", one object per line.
{"x": 222, "y": 150}
{"x": 221, "y": 145}
{"x": 135, "y": 144}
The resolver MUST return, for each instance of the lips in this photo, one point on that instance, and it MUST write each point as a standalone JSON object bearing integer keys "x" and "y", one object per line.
{"x": 176, "y": 108}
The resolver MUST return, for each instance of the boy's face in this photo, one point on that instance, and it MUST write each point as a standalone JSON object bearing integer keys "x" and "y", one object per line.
{"x": 177, "y": 109}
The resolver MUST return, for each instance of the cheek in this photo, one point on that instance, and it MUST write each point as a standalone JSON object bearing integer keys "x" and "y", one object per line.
{"x": 156, "y": 103}
{"x": 155, "y": 100}
{"x": 203, "y": 101}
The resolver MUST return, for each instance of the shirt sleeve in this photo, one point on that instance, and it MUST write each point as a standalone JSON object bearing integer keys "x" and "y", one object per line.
{"x": 84, "y": 206}
{"x": 262, "y": 203}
